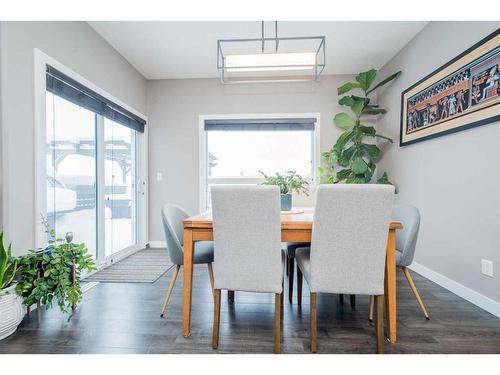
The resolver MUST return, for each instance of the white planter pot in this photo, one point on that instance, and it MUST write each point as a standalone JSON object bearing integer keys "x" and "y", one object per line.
{"x": 11, "y": 311}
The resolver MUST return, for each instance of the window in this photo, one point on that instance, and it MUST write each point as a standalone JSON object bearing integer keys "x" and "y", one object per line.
{"x": 90, "y": 167}
{"x": 236, "y": 150}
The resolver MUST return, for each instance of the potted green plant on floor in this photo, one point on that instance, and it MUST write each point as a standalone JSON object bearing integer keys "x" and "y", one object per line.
{"x": 288, "y": 183}
{"x": 356, "y": 158}
{"x": 11, "y": 309}
{"x": 54, "y": 273}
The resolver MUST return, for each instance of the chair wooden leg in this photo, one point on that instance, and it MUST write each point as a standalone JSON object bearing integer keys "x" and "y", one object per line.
{"x": 314, "y": 322}
{"x": 169, "y": 290}
{"x": 282, "y": 292}
{"x": 353, "y": 300}
{"x": 299, "y": 286}
{"x": 211, "y": 276}
{"x": 287, "y": 264}
{"x": 379, "y": 325}
{"x": 372, "y": 303}
{"x": 215, "y": 333}
{"x": 291, "y": 265}
{"x": 278, "y": 299}
{"x": 230, "y": 295}
{"x": 415, "y": 292}
{"x": 38, "y": 313}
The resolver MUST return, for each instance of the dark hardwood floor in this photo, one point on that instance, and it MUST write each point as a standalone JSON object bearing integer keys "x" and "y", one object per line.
{"x": 125, "y": 318}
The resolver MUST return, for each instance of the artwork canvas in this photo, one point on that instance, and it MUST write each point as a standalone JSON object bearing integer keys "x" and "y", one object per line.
{"x": 463, "y": 93}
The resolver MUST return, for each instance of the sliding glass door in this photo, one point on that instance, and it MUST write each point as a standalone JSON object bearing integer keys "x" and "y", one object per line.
{"x": 119, "y": 188}
{"x": 71, "y": 171}
{"x": 92, "y": 149}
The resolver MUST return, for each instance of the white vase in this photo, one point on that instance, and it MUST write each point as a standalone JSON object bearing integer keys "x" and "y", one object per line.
{"x": 11, "y": 311}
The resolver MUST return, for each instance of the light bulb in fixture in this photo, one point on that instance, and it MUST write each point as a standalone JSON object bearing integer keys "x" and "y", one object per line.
{"x": 270, "y": 62}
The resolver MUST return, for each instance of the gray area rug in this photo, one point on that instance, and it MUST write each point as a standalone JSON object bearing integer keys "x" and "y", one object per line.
{"x": 145, "y": 266}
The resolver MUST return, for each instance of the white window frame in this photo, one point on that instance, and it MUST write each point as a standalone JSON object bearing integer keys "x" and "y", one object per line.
{"x": 202, "y": 136}
{"x": 41, "y": 59}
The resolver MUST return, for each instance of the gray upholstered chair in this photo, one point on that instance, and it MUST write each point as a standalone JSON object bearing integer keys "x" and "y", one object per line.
{"x": 247, "y": 238}
{"x": 172, "y": 217}
{"x": 406, "y": 241}
{"x": 348, "y": 247}
{"x": 291, "y": 247}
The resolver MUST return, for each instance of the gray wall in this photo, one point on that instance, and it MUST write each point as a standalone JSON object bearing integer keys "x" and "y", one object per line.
{"x": 454, "y": 180}
{"x": 76, "y": 45}
{"x": 173, "y": 107}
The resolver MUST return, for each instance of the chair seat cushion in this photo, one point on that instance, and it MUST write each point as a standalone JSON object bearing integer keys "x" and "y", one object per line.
{"x": 204, "y": 252}
{"x": 303, "y": 259}
{"x": 291, "y": 247}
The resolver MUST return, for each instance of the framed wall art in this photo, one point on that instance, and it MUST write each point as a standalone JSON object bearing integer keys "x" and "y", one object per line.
{"x": 463, "y": 93}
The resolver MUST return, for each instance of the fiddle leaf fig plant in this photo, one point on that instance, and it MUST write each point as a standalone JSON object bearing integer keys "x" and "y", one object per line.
{"x": 356, "y": 159}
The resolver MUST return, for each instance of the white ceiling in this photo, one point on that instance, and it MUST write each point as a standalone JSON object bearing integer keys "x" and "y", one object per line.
{"x": 185, "y": 49}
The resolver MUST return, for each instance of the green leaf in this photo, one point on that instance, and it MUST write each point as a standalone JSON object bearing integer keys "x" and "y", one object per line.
{"x": 344, "y": 121}
{"x": 368, "y": 130}
{"x": 357, "y": 179}
{"x": 332, "y": 158}
{"x": 347, "y": 87}
{"x": 346, "y": 156}
{"x": 356, "y": 103}
{"x": 365, "y": 79}
{"x": 372, "y": 110}
{"x": 373, "y": 152}
{"x": 384, "y": 180}
{"x": 359, "y": 166}
{"x": 383, "y": 82}
{"x": 343, "y": 174}
{"x": 383, "y": 137}
{"x": 347, "y": 100}
{"x": 343, "y": 139}
{"x": 370, "y": 171}
{"x": 358, "y": 107}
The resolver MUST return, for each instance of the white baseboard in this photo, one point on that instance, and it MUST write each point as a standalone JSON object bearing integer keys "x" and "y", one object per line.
{"x": 460, "y": 290}
{"x": 157, "y": 244}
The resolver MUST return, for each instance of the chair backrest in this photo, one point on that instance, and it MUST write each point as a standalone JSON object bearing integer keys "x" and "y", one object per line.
{"x": 172, "y": 217}
{"x": 247, "y": 238}
{"x": 406, "y": 240}
{"x": 349, "y": 238}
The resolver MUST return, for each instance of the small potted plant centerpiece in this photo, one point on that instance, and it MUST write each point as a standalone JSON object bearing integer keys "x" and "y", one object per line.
{"x": 11, "y": 308}
{"x": 288, "y": 183}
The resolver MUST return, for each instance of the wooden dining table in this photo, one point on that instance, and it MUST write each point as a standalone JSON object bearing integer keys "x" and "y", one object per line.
{"x": 295, "y": 227}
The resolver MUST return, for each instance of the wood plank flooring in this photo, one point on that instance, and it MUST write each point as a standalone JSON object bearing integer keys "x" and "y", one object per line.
{"x": 125, "y": 318}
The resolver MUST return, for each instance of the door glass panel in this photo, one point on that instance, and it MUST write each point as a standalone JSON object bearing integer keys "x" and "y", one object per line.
{"x": 119, "y": 187}
{"x": 71, "y": 171}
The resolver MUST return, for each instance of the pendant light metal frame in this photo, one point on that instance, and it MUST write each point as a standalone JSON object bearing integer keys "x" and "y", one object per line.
{"x": 317, "y": 68}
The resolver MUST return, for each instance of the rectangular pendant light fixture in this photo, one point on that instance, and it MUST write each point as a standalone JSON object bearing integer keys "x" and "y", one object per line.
{"x": 271, "y": 59}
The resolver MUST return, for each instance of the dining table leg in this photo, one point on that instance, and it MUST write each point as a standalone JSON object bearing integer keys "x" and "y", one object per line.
{"x": 188, "y": 280}
{"x": 390, "y": 286}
